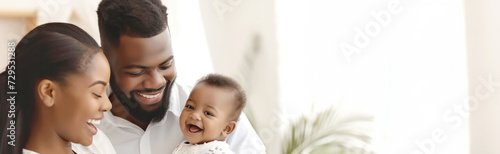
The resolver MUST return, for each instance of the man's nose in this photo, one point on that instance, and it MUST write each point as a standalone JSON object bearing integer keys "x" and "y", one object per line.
{"x": 155, "y": 80}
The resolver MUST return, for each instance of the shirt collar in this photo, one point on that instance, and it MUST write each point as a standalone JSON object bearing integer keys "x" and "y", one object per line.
{"x": 175, "y": 102}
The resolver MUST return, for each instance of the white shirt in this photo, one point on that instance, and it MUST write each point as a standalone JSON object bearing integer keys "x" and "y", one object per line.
{"x": 26, "y": 151}
{"x": 214, "y": 147}
{"x": 163, "y": 136}
{"x": 100, "y": 145}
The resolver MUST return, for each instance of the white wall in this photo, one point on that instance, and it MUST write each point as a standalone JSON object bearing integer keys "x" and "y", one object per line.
{"x": 241, "y": 36}
{"x": 410, "y": 74}
{"x": 483, "y": 49}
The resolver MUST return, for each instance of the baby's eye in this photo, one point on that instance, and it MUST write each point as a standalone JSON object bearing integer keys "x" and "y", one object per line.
{"x": 189, "y": 107}
{"x": 208, "y": 113}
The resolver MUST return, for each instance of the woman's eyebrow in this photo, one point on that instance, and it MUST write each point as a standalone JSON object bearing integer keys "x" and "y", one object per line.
{"x": 98, "y": 82}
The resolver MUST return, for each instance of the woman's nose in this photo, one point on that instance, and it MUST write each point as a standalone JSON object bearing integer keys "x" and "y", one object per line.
{"x": 106, "y": 104}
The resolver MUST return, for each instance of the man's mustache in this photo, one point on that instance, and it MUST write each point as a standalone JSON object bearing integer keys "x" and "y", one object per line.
{"x": 150, "y": 90}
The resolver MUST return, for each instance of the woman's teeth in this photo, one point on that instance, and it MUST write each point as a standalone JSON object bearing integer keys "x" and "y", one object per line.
{"x": 94, "y": 122}
{"x": 149, "y": 96}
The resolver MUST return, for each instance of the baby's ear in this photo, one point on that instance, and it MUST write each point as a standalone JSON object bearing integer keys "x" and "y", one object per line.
{"x": 229, "y": 128}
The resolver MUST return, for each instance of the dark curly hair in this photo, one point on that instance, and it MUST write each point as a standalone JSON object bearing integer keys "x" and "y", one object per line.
{"x": 136, "y": 18}
{"x": 224, "y": 82}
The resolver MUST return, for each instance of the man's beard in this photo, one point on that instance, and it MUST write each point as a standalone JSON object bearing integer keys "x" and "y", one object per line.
{"x": 133, "y": 107}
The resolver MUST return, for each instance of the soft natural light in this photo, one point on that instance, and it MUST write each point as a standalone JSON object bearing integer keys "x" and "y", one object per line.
{"x": 402, "y": 74}
{"x": 409, "y": 73}
{"x": 191, "y": 51}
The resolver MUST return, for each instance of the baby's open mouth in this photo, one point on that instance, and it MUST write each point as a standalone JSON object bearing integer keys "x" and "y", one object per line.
{"x": 193, "y": 128}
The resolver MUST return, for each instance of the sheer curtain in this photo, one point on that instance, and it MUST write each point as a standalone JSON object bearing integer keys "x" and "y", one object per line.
{"x": 483, "y": 50}
{"x": 192, "y": 56}
{"x": 402, "y": 61}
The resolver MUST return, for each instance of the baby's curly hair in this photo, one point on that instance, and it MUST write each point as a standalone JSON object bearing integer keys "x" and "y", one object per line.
{"x": 221, "y": 81}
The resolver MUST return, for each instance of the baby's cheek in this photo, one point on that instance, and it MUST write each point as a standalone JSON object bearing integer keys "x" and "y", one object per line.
{"x": 215, "y": 128}
{"x": 182, "y": 121}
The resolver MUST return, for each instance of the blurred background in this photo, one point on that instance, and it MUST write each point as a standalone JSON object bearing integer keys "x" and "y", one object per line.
{"x": 332, "y": 76}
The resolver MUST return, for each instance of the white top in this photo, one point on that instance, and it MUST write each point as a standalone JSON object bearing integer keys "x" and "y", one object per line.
{"x": 163, "y": 136}
{"x": 100, "y": 145}
{"x": 214, "y": 147}
{"x": 26, "y": 151}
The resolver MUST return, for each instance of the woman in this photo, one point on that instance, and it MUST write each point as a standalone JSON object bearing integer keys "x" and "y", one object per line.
{"x": 61, "y": 76}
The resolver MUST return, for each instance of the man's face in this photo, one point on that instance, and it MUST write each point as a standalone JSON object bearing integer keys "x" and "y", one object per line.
{"x": 143, "y": 72}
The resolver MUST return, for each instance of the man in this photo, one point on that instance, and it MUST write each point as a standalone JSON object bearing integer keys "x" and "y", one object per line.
{"x": 146, "y": 100}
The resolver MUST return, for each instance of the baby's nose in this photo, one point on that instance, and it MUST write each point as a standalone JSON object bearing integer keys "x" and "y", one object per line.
{"x": 195, "y": 116}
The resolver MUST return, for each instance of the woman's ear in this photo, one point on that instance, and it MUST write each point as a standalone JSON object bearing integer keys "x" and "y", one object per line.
{"x": 46, "y": 92}
{"x": 229, "y": 128}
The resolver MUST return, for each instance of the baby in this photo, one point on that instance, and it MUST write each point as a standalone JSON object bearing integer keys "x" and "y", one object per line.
{"x": 210, "y": 115}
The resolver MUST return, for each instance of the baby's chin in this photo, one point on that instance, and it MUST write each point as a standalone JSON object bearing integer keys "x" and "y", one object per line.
{"x": 190, "y": 139}
{"x": 198, "y": 141}
{"x": 195, "y": 141}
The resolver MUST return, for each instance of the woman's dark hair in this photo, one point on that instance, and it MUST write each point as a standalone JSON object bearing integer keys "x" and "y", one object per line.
{"x": 50, "y": 51}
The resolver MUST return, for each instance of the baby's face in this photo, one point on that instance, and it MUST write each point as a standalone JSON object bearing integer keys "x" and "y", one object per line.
{"x": 207, "y": 114}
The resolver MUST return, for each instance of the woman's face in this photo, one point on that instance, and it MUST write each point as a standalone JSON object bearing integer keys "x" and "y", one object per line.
{"x": 80, "y": 103}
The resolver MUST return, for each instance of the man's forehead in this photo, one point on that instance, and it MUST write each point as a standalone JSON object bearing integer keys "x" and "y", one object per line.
{"x": 134, "y": 49}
